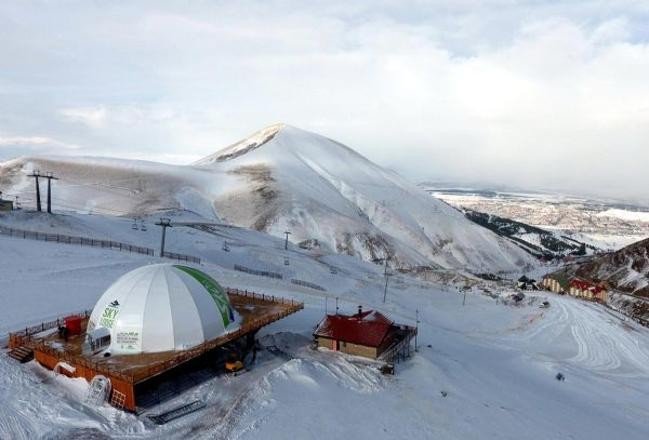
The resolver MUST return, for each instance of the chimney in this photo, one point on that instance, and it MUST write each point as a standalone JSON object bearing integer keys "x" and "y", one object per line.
{"x": 360, "y": 311}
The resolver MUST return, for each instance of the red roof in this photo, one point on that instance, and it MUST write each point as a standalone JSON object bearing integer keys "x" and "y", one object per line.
{"x": 367, "y": 328}
{"x": 585, "y": 285}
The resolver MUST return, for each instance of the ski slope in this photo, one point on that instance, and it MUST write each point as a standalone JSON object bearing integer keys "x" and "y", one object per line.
{"x": 495, "y": 362}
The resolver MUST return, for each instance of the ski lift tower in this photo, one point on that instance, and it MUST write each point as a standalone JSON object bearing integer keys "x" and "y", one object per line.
{"x": 286, "y": 241}
{"x": 164, "y": 223}
{"x": 36, "y": 174}
{"x": 49, "y": 176}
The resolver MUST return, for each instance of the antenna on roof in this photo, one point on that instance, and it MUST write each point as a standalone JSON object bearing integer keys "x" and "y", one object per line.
{"x": 336, "y": 305}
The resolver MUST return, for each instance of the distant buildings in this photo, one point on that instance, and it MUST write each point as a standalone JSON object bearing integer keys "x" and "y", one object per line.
{"x": 588, "y": 290}
{"x": 576, "y": 287}
{"x": 525, "y": 283}
{"x": 553, "y": 285}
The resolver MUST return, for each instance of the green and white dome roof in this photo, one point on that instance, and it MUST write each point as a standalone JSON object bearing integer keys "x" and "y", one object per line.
{"x": 162, "y": 307}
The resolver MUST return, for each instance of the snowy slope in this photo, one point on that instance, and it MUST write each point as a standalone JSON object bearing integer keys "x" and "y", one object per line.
{"x": 321, "y": 190}
{"x": 283, "y": 178}
{"x": 495, "y": 362}
{"x": 112, "y": 186}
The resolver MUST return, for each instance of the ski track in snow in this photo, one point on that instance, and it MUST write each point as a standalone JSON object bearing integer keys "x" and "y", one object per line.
{"x": 597, "y": 342}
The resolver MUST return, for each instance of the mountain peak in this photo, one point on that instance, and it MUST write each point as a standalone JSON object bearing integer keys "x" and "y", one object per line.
{"x": 290, "y": 139}
{"x": 240, "y": 148}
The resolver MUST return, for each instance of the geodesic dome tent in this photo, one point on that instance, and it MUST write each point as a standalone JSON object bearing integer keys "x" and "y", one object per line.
{"x": 162, "y": 307}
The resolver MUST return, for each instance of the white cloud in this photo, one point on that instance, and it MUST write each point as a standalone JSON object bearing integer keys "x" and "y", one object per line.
{"x": 524, "y": 93}
{"x": 41, "y": 142}
{"x": 94, "y": 117}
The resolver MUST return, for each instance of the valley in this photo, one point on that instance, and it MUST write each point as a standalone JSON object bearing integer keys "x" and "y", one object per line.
{"x": 605, "y": 224}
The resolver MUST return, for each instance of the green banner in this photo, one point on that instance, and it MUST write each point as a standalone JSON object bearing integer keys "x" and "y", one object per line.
{"x": 213, "y": 288}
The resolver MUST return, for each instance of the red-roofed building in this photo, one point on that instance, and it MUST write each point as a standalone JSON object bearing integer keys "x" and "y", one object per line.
{"x": 588, "y": 290}
{"x": 369, "y": 334}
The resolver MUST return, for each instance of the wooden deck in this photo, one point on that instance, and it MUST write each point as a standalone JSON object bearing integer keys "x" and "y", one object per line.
{"x": 126, "y": 371}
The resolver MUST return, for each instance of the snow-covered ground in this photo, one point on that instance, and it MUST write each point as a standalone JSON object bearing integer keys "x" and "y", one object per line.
{"x": 624, "y": 214}
{"x": 483, "y": 370}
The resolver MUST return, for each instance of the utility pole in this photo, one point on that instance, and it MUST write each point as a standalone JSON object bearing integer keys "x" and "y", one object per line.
{"x": 286, "y": 241}
{"x": 36, "y": 174}
{"x": 164, "y": 223}
{"x": 416, "y": 328}
{"x": 49, "y": 176}
{"x": 385, "y": 274}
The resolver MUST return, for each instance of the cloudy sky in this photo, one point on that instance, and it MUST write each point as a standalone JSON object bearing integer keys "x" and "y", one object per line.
{"x": 535, "y": 94}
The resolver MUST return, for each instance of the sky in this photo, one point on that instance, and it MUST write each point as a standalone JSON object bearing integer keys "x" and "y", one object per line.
{"x": 530, "y": 94}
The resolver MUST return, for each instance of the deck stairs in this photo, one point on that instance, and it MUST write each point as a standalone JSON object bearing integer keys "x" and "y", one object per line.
{"x": 22, "y": 354}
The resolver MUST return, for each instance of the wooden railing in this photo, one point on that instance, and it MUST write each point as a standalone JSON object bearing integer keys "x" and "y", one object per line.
{"x": 80, "y": 361}
{"x": 22, "y": 337}
{"x": 262, "y": 297}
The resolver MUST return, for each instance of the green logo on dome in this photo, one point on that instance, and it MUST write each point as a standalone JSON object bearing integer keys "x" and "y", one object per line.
{"x": 107, "y": 318}
{"x": 213, "y": 288}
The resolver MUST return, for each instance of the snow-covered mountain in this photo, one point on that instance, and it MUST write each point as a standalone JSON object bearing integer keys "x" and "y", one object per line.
{"x": 284, "y": 178}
